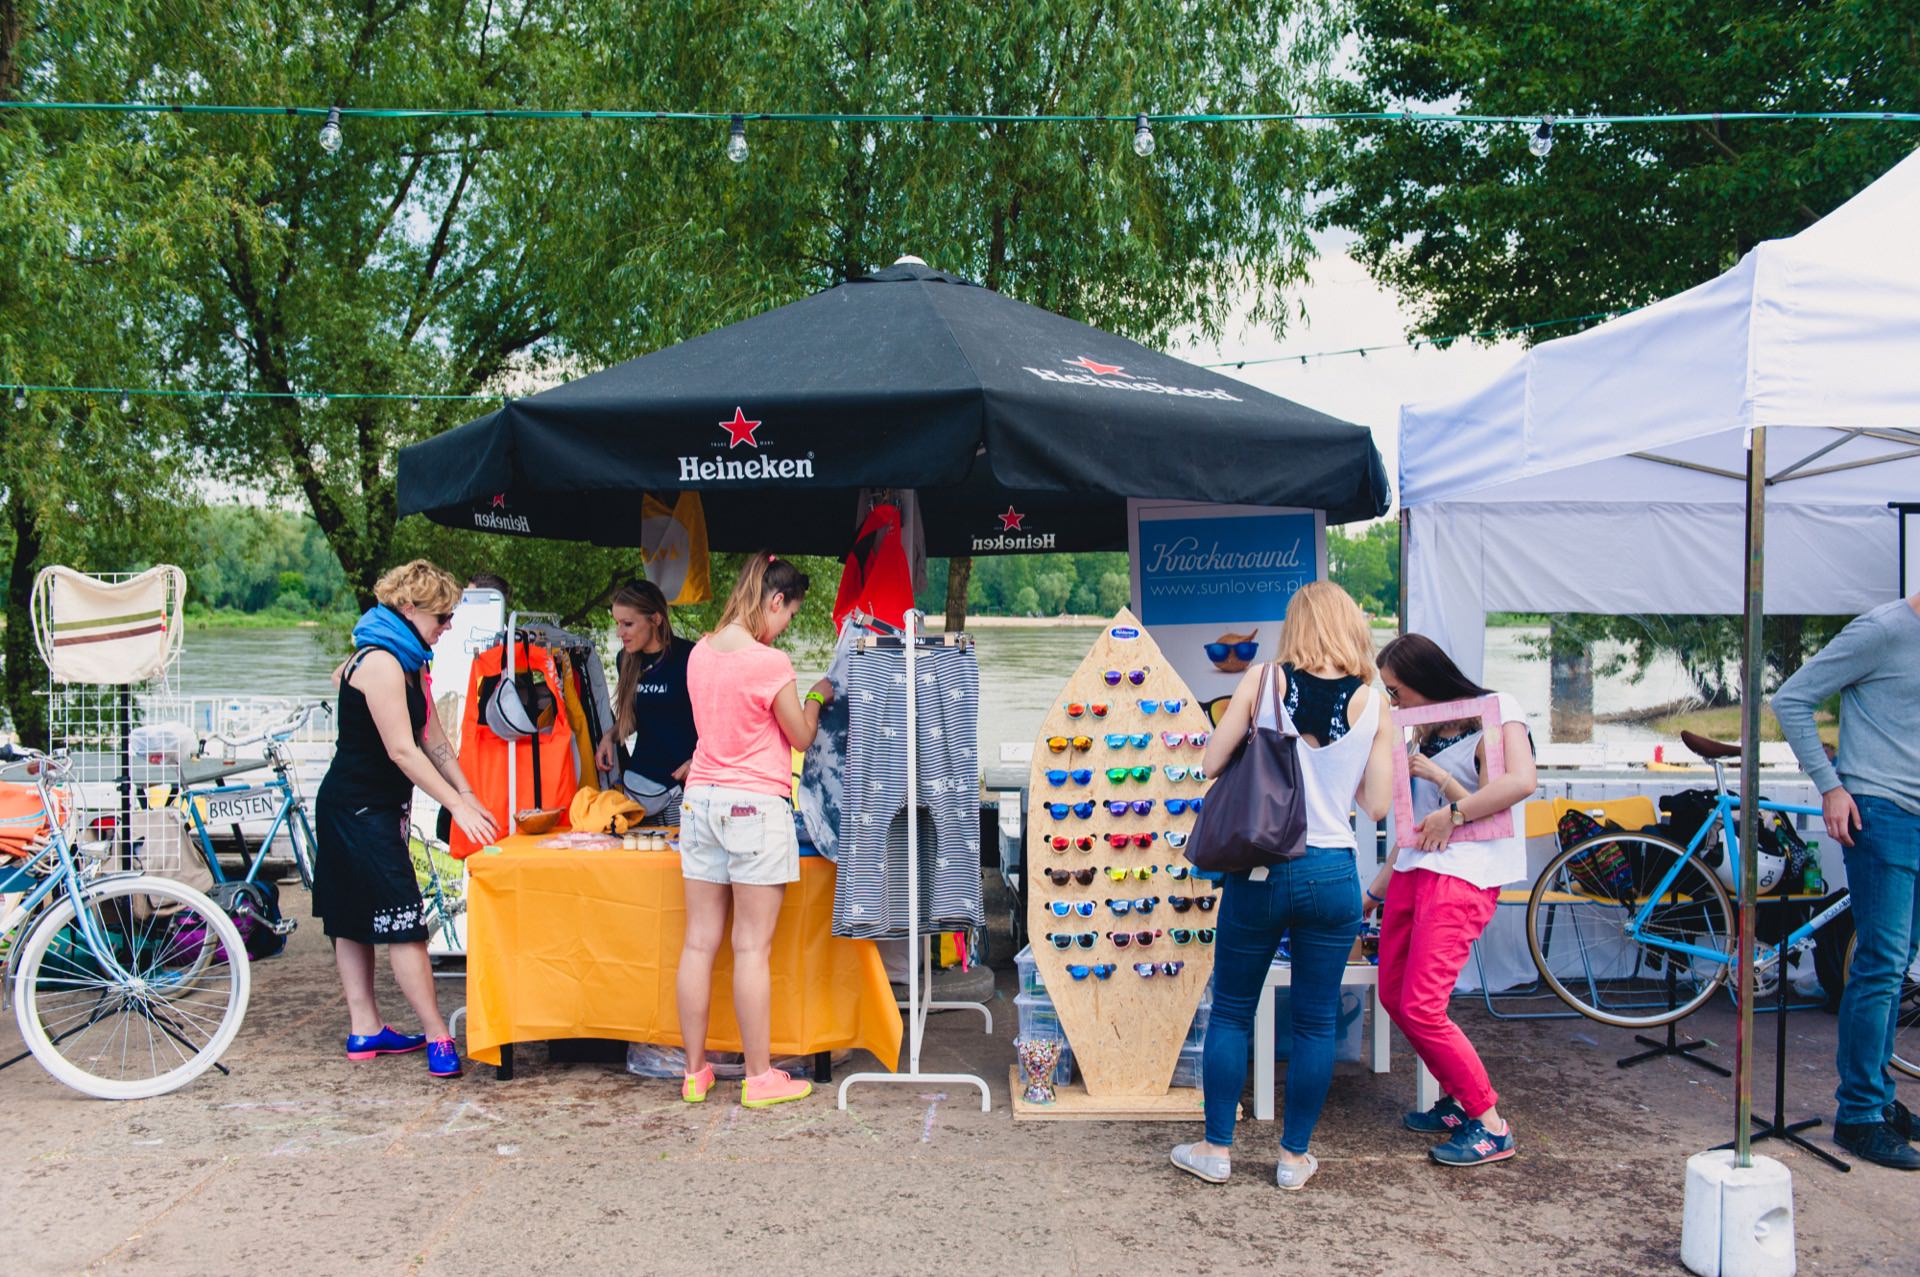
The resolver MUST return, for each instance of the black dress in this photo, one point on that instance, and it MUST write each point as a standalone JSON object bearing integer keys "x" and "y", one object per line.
{"x": 363, "y": 883}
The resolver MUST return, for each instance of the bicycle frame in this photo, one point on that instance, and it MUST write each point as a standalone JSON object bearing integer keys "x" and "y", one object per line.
{"x": 292, "y": 806}
{"x": 1726, "y": 806}
{"x": 66, "y": 877}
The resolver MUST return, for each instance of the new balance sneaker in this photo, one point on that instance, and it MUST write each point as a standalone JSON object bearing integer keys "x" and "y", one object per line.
{"x": 1877, "y": 1142}
{"x": 1472, "y": 1145}
{"x": 365, "y": 1046}
{"x": 775, "y": 1086}
{"x": 443, "y": 1058}
{"x": 694, "y": 1086}
{"x": 1444, "y": 1118}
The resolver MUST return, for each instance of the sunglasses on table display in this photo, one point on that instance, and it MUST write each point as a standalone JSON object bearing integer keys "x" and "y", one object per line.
{"x": 1136, "y": 677}
{"x": 1183, "y": 903}
{"x": 1060, "y": 744}
{"x": 1176, "y": 774}
{"x": 1076, "y": 710}
{"x": 1179, "y": 873}
{"x": 1181, "y": 935}
{"x": 1139, "y": 904}
{"x": 1243, "y": 651}
{"x": 1120, "y": 740}
{"x": 1066, "y": 908}
{"x": 1119, "y": 841}
{"x": 1079, "y": 776}
{"x": 1142, "y": 774}
{"x": 1139, "y": 873}
{"x": 1177, "y": 840}
{"x": 1060, "y": 842}
{"x": 1061, "y": 877}
{"x": 1147, "y": 970}
{"x": 1120, "y": 806}
{"x": 1121, "y": 939}
{"x": 1099, "y": 970}
{"x": 1068, "y": 939}
{"x": 1178, "y": 806}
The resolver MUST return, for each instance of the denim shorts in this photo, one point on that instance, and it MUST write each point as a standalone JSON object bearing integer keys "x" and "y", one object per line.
{"x": 737, "y": 835}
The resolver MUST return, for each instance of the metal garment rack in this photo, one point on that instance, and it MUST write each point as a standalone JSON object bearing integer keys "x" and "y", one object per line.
{"x": 919, "y": 1001}
{"x": 513, "y": 747}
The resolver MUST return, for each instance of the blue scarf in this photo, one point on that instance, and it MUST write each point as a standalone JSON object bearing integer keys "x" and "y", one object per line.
{"x": 386, "y": 629}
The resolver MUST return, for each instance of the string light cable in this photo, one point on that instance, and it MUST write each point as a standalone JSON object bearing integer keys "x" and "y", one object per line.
{"x": 1418, "y": 343}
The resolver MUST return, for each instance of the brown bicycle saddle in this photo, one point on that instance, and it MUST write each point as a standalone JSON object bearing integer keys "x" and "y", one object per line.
{"x": 1707, "y": 747}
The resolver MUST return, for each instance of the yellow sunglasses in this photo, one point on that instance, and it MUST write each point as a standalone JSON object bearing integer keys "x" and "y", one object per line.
{"x": 1059, "y": 744}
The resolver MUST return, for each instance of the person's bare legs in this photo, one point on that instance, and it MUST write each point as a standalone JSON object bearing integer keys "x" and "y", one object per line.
{"x": 693, "y": 984}
{"x": 755, "y": 912}
{"x": 413, "y": 972}
{"x": 354, "y": 962}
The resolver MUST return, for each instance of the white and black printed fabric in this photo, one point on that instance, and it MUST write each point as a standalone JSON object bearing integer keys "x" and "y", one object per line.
{"x": 870, "y": 899}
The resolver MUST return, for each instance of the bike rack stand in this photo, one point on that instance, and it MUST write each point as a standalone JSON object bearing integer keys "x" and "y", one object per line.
{"x": 1672, "y": 1046}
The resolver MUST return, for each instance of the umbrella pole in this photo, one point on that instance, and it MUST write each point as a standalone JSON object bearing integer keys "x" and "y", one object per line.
{"x": 1752, "y": 668}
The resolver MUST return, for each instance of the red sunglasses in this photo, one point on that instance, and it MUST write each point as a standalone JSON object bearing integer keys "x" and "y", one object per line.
{"x": 1119, "y": 841}
{"x": 1084, "y": 842}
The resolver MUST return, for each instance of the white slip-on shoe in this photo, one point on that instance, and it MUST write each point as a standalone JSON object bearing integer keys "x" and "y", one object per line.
{"x": 1293, "y": 1176}
{"x": 1210, "y": 1167}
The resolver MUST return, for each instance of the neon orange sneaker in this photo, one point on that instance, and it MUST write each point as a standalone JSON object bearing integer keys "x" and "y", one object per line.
{"x": 694, "y": 1086}
{"x": 773, "y": 1087}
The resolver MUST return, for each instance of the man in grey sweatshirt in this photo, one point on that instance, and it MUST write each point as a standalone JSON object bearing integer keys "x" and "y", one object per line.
{"x": 1870, "y": 796}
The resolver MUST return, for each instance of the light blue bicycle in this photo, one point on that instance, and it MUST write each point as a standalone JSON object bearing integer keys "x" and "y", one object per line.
{"x": 126, "y": 985}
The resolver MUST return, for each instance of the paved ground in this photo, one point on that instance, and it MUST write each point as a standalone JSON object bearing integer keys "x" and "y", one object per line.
{"x": 300, "y": 1162}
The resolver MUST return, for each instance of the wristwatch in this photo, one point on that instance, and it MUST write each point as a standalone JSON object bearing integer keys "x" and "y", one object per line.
{"x": 1458, "y": 819}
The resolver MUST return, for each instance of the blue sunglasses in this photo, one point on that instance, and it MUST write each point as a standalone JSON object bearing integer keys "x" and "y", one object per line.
{"x": 1153, "y": 707}
{"x": 1064, "y": 908}
{"x": 1059, "y": 810}
{"x": 1139, "y": 904}
{"x": 1175, "y": 806}
{"x": 1120, "y": 740}
{"x": 1079, "y": 775}
{"x": 1099, "y": 970}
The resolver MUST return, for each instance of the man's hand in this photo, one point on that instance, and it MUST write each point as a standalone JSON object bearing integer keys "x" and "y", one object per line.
{"x": 1842, "y": 817}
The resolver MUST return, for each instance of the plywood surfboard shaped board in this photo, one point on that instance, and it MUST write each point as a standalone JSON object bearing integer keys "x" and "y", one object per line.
{"x": 1125, "y": 1031}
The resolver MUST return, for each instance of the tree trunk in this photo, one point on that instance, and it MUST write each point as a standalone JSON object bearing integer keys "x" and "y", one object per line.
{"x": 959, "y": 572}
{"x": 24, "y": 672}
{"x": 1571, "y": 686}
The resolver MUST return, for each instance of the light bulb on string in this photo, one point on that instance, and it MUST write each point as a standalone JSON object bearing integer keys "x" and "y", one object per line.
{"x": 226, "y": 403}
{"x": 1142, "y": 136}
{"x": 1542, "y": 140}
{"x": 413, "y": 404}
{"x": 330, "y": 137}
{"x": 19, "y": 400}
{"x": 737, "y": 140}
{"x": 126, "y": 403}
{"x": 321, "y": 401}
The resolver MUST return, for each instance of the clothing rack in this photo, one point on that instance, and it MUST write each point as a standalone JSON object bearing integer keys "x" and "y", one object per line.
{"x": 919, "y": 1001}
{"x": 513, "y": 754}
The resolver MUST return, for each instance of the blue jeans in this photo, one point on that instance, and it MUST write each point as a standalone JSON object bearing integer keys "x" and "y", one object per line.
{"x": 1883, "y": 874}
{"x": 1317, "y": 898}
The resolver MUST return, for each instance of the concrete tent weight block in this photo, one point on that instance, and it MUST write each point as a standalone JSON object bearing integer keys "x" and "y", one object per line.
{"x": 1738, "y": 1222}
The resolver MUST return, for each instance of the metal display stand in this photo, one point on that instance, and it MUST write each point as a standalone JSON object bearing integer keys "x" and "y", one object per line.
{"x": 919, "y": 1001}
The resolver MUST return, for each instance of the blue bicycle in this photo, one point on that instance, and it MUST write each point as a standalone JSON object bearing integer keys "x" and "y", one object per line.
{"x": 1634, "y": 930}
{"x": 126, "y": 985}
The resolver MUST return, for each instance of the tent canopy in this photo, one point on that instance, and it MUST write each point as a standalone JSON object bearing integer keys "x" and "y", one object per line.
{"x": 1605, "y": 472}
{"x": 1021, "y": 429}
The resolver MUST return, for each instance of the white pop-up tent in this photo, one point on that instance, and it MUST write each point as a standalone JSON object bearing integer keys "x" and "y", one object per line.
{"x": 1606, "y": 472}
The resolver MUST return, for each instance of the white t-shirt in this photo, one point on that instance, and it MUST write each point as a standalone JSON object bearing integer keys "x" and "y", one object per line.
{"x": 1484, "y": 864}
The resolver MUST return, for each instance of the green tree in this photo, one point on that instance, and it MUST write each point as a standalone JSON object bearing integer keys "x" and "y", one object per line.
{"x": 1475, "y": 232}
{"x": 1366, "y": 564}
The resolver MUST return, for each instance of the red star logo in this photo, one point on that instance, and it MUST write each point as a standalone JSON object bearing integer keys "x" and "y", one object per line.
{"x": 1010, "y": 521}
{"x": 499, "y": 500}
{"x": 740, "y": 431}
{"x": 1095, "y": 367}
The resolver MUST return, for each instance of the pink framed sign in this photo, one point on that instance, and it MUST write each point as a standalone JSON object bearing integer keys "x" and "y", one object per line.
{"x": 1486, "y": 710}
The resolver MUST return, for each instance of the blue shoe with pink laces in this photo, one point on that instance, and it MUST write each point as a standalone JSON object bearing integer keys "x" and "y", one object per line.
{"x": 443, "y": 1058}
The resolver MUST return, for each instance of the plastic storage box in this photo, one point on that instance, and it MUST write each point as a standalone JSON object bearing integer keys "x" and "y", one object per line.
{"x": 1038, "y": 1019}
{"x": 1186, "y": 1071}
{"x": 1029, "y": 968}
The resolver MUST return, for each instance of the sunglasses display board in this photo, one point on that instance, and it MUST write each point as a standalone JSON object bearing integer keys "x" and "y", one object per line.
{"x": 1122, "y": 934}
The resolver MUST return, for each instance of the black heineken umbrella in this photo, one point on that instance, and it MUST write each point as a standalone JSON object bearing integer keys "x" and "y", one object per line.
{"x": 1020, "y": 429}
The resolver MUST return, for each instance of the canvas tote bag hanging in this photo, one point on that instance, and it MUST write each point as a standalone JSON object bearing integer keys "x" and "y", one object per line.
{"x": 108, "y": 632}
{"x": 1256, "y": 813}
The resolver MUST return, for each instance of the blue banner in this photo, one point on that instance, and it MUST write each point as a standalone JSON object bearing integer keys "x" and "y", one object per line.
{"x": 1224, "y": 569}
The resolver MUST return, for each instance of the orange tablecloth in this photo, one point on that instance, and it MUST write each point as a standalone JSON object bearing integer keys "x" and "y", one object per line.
{"x": 584, "y": 944}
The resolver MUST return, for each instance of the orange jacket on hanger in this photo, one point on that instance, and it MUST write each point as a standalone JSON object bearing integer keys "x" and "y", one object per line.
{"x": 483, "y": 756}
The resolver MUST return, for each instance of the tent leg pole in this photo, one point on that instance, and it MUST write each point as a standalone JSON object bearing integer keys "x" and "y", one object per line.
{"x": 1406, "y": 526}
{"x": 1752, "y": 672}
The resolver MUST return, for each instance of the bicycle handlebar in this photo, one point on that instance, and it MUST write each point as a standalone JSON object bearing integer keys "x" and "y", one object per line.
{"x": 278, "y": 731}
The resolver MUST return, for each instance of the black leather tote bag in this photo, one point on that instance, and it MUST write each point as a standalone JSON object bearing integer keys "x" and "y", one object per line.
{"x": 1256, "y": 813}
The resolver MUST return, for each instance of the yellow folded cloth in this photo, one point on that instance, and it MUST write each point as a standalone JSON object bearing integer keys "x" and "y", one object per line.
{"x": 604, "y": 811}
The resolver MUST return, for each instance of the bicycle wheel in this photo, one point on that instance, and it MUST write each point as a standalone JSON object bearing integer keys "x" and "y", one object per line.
{"x": 1906, "y": 1032}
{"x": 150, "y": 1014}
{"x": 1580, "y": 929}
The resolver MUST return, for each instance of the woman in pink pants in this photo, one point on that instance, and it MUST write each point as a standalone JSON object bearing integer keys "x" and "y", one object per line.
{"x": 1436, "y": 899}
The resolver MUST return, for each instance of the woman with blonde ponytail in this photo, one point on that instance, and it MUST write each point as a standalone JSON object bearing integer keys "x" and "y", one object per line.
{"x": 737, "y": 841}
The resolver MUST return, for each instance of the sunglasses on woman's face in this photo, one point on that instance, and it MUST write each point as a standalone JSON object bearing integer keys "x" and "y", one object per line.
{"x": 1183, "y": 903}
{"x": 1119, "y": 774}
{"x": 1244, "y": 651}
{"x": 1181, "y": 935}
{"x": 1147, "y": 970}
{"x": 1099, "y": 970}
{"x": 1060, "y": 744}
{"x": 1068, "y": 939}
{"x": 1066, "y": 908}
{"x": 1139, "y": 904}
{"x": 1059, "y": 810}
{"x": 1119, "y": 841}
{"x": 1079, "y": 776}
{"x": 1139, "y": 873}
{"x": 1075, "y": 709}
{"x": 1136, "y": 677}
{"x": 1059, "y": 842}
{"x": 1061, "y": 877}
{"x": 1121, "y": 939}
{"x": 1120, "y": 806}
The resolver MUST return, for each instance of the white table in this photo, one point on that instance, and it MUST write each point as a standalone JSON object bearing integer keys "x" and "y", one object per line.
{"x": 1425, "y": 1090}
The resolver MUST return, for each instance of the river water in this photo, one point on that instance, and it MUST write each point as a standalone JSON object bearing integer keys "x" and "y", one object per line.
{"x": 1021, "y": 672}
